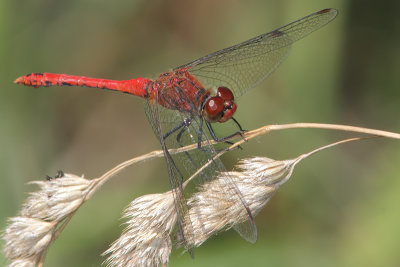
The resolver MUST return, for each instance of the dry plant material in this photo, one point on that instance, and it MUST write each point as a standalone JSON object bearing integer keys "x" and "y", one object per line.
{"x": 207, "y": 218}
{"x": 257, "y": 178}
{"x": 151, "y": 219}
{"x": 57, "y": 198}
{"x": 146, "y": 240}
{"x": 29, "y": 235}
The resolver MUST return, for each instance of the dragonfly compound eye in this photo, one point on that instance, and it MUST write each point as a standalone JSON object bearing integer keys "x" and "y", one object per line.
{"x": 213, "y": 109}
{"x": 229, "y": 110}
{"x": 229, "y": 106}
{"x": 219, "y": 108}
{"x": 225, "y": 93}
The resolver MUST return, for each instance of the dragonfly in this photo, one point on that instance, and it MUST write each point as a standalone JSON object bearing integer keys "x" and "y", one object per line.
{"x": 183, "y": 104}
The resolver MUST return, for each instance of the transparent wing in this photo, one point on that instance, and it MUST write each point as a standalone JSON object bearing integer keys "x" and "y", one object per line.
{"x": 152, "y": 110}
{"x": 243, "y": 66}
{"x": 181, "y": 166}
{"x": 198, "y": 158}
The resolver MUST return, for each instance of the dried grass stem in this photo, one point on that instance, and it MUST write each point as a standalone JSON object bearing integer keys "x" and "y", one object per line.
{"x": 247, "y": 136}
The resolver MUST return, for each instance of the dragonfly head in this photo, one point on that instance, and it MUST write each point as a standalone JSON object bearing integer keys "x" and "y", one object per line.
{"x": 221, "y": 107}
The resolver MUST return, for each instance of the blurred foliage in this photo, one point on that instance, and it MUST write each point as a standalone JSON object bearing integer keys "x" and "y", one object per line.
{"x": 339, "y": 209}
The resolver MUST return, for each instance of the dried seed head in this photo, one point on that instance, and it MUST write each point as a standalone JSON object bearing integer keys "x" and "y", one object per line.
{"x": 29, "y": 262}
{"x": 258, "y": 180}
{"x": 57, "y": 198}
{"x": 30, "y": 234}
{"x": 268, "y": 171}
{"x": 146, "y": 240}
{"x": 25, "y": 238}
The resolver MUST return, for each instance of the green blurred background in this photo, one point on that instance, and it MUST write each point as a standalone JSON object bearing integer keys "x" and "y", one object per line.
{"x": 341, "y": 206}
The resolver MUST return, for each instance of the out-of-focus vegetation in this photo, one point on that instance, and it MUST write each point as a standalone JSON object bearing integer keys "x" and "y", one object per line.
{"x": 340, "y": 208}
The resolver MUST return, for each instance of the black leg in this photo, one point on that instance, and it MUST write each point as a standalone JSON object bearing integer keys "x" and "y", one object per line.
{"x": 176, "y": 168}
{"x": 174, "y": 130}
{"x": 165, "y": 136}
{"x": 200, "y": 134}
{"x": 231, "y": 143}
{"x": 211, "y": 130}
{"x": 238, "y": 124}
{"x": 240, "y": 128}
{"x": 179, "y": 136}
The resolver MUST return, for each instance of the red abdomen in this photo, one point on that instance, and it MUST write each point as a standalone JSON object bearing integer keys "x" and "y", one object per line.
{"x": 136, "y": 87}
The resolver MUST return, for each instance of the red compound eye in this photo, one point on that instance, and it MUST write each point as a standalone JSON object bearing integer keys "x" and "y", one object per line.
{"x": 225, "y": 93}
{"x": 214, "y": 109}
{"x": 228, "y": 112}
{"x": 220, "y": 107}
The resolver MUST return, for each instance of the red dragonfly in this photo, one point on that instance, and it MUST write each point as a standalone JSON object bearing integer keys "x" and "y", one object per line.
{"x": 181, "y": 101}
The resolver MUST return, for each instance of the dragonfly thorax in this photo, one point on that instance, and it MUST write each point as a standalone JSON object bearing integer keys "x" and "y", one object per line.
{"x": 221, "y": 107}
{"x": 181, "y": 91}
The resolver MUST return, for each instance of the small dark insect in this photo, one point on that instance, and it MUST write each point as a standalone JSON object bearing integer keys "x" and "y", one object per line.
{"x": 59, "y": 174}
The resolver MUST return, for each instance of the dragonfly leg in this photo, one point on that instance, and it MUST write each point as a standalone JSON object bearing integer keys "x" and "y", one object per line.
{"x": 176, "y": 167}
{"x": 200, "y": 136}
{"x": 184, "y": 126}
{"x": 240, "y": 128}
{"x": 168, "y": 155}
{"x": 231, "y": 143}
{"x": 224, "y": 139}
{"x": 211, "y": 130}
{"x": 173, "y": 130}
{"x": 179, "y": 136}
{"x": 238, "y": 124}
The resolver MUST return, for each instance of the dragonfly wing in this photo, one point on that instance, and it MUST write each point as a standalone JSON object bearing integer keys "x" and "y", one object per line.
{"x": 157, "y": 119}
{"x": 207, "y": 155}
{"x": 183, "y": 165}
{"x": 247, "y": 230}
{"x": 243, "y": 66}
